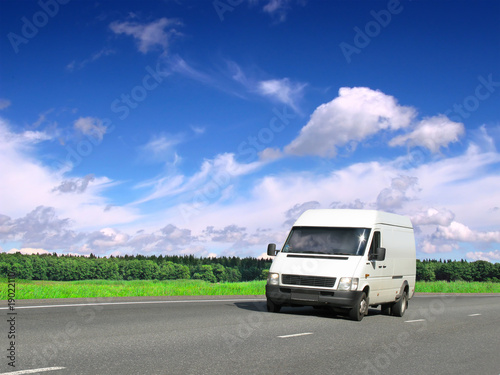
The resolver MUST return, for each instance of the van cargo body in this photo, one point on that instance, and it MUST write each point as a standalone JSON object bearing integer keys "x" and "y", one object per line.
{"x": 348, "y": 259}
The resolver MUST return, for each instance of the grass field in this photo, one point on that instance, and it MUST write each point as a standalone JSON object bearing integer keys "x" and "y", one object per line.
{"x": 457, "y": 287}
{"x": 110, "y": 288}
{"x": 136, "y": 288}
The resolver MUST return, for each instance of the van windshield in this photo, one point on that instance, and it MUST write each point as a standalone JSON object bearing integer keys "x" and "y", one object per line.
{"x": 326, "y": 240}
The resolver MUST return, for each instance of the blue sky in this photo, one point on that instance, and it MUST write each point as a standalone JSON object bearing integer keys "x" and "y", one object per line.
{"x": 206, "y": 128}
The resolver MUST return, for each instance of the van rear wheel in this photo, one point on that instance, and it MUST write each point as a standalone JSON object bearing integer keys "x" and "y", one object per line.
{"x": 360, "y": 309}
{"x": 399, "y": 307}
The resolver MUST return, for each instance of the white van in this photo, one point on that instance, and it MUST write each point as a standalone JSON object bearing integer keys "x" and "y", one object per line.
{"x": 348, "y": 259}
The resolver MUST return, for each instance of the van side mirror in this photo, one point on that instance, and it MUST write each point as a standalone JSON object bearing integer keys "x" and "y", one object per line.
{"x": 378, "y": 255}
{"x": 271, "y": 249}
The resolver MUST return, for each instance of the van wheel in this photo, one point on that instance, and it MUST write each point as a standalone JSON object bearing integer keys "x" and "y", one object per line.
{"x": 399, "y": 307}
{"x": 273, "y": 307}
{"x": 360, "y": 309}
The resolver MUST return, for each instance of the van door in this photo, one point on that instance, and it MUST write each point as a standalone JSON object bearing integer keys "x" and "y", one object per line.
{"x": 378, "y": 271}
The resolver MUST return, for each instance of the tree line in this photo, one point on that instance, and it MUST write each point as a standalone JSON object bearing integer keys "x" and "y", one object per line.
{"x": 221, "y": 269}
{"x": 480, "y": 270}
{"x": 139, "y": 267}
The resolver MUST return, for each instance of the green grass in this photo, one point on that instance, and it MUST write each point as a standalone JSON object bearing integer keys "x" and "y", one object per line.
{"x": 456, "y": 287}
{"x": 28, "y": 289}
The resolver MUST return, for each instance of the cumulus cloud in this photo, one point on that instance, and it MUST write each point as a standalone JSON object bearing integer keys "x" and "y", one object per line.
{"x": 432, "y": 133}
{"x": 91, "y": 126}
{"x": 75, "y": 185}
{"x": 148, "y": 35}
{"x": 433, "y": 246}
{"x": 393, "y": 197}
{"x": 32, "y": 184}
{"x": 168, "y": 239}
{"x": 432, "y": 216}
{"x": 293, "y": 213}
{"x": 490, "y": 256}
{"x": 357, "y": 205}
{"x": 107, "y": 238}
{"x": 40, "y": 228}
{"x": 356, "y": 114}
{"x": 230, "y": 233}
{"x": 459, "y": 232}
{"x": 177, "y": 235}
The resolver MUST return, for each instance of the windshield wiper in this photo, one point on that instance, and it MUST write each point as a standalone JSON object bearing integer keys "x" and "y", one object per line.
{"x": 312, "y": 252}
{"x": 343, "y": 254}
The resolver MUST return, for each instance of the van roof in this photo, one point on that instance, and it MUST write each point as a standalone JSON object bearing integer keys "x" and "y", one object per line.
{"x": 350, "y": 218}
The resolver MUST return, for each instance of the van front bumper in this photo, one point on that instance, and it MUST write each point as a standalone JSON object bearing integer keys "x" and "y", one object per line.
{"x": 286, "y": 296}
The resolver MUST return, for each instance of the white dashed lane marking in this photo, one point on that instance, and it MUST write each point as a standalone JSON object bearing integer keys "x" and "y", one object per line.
{"x": 295, "y": 335}
{"x": 32, "y": 371}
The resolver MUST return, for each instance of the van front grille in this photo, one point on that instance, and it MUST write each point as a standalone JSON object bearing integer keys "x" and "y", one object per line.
{"x": 323, "y": 282}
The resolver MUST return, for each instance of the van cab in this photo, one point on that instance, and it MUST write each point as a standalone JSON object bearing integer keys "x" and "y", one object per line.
{"x": 347, "y": 259}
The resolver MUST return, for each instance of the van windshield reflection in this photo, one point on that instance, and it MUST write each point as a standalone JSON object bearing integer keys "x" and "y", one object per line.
{"x": 327, "y": 240}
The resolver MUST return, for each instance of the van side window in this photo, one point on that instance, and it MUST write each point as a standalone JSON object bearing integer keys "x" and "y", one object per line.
{"x": 375, "y": 243}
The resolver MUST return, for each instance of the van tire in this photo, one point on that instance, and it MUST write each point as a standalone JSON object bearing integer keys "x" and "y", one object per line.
{"x": 399, "y": 307}
{"x": 360, "y": 309}
{"x": 273, "y": 307}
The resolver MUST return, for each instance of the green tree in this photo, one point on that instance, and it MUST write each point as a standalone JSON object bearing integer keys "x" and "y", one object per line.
{"x": 233, "y": 275}
{"x": 264, "y": 274}
{"x": 205, "y": 272}
{"x": 167, "y": 271}
{"x": 482, "y": 270}
{"x": 220, "y": 272}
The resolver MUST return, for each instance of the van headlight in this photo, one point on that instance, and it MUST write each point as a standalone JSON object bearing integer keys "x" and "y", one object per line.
{"x": 348, "y": 283}
{"x": 273, "y": 278}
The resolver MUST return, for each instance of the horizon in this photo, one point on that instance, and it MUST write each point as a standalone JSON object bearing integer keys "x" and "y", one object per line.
{"x": 207, "y": 128}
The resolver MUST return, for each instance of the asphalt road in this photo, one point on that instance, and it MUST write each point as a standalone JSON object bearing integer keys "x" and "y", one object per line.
{"x": 437, "y": 335}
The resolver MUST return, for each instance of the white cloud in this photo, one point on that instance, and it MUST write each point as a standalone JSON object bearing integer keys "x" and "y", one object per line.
{"x": 77, "y": 65}
{"x": 214, "y": 176}
{"x": 161, "y": 148}
{"x": 91, "y": 126}
{"x": 270, "y": 154}
{"x": 230, "y": 233}
{"x": 353, "y": 116}
{"x": 4, "y": 103}
{"x": 148, "y": 35}
{"x": 75, "y": 185}
{"x": 107, "y": 238}
{"x": 459, "y": 232}
{"x": 31, "y": 184}
{"x": 432, "y": 247}
{"x": 394, "y": 197}
{"x": 432, "y": 133}
{"x": 283, "y": 90}
{"x": 490, "y": 256}
{"x": 198, "y": 130}
{"x": 277, "y": 8}
{"x": 178, "y": 65}
{"x": 432, "y": 216}
{"x": 28, "y": 251}
{"x": 40, "y": 228}
{"x": 293, "y": 213}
